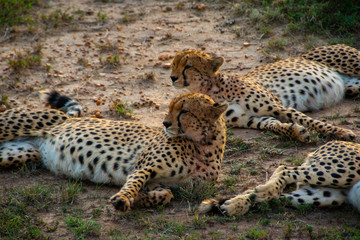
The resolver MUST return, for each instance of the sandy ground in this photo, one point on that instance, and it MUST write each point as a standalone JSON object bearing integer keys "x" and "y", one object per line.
{"x": 144, "y": 36}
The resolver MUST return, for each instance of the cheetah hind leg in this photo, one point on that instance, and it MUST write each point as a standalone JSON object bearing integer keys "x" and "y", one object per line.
{"x": 153, "y": 195}
{"x": 291, "y": 130}
{"x": 317, "y": 125}
{"x": 241, "y": 204}
{"x": 16, "y": 153}
{"x": 319, "y": 196}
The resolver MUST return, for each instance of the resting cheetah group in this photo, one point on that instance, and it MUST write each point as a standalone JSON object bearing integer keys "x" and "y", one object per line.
{"x": 271, "y": 97}
{"x": 145, "y": 162}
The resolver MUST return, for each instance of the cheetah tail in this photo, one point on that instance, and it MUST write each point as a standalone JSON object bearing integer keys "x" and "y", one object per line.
{"x": 61, "y": 102}
{"x": 354, "y": 195}
{"x": 18, "y": 122}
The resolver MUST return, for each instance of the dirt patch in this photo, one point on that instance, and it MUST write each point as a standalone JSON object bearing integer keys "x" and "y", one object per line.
{"x": 119, "y": 53}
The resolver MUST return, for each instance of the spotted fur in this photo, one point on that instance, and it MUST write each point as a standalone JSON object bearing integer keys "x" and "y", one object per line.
{"x": 344, "y": 59}
{"x": 266, "y": 97}
{"x": 324, "y": 179}
{"x": 144, "y": 161}
{"x": 300, "y": 83}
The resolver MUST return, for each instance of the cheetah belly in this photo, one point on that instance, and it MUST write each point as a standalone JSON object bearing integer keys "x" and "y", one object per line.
{"x": 236, "y": 111}
{"x": 62, "y": 162}
{"x": 318, "y": 93}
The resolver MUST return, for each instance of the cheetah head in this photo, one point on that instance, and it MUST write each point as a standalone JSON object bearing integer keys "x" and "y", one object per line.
{"x": 195, "y": 116}
{"x": 194, "y": 70}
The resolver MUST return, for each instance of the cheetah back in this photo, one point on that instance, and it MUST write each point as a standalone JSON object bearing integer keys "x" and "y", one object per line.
{"x": 343, "y": 58}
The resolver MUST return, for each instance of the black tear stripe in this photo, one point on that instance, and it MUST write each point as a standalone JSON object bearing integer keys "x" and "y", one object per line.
{"x": 183, "y": 73}
{"x": 179, "y": 123}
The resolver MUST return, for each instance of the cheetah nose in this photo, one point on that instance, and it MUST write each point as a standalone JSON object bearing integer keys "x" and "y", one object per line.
{"x": 174, "y": 78}
{"x": 167, "y": 124}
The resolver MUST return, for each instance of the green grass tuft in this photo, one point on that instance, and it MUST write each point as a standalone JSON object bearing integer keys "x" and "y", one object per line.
{"x": 195, "y": 191}
{"x": 235, "y": 143}
{"x": 17, "y": 211}
{"x": 70, "y": 192}
{"x": 82, "y": 228}
{"x": 338, "y": 18}
{"x": 334, "y": 16}
{"x": 13, "y": 12}
{"x": 22, "y": 61}
{"x": 57, "y": 17}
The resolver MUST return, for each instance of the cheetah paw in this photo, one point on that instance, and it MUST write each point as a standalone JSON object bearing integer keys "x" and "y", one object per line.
{"x": 267, "y": 191}
{"x": 209, "y": 205}
{"x": 236, "y": 206}
{"x": 121, "y": 203}
{"x": 346, "y": 135}
{"x": 301, "y": 133}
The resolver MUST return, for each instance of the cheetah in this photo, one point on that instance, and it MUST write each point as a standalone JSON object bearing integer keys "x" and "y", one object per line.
{"x": 144, "y": 161}
{"x": 329, "y": 176}
{"x": 270, "y": 97}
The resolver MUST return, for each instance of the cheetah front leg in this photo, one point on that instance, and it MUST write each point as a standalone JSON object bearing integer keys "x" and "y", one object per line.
{"x": 241, "y": 204}
{"x": 124, "y": 199}
{"x": 275, "y": 185}
{"x": 271, "y": 189}
{"x": 291, "y": 130}
{"x": 319, "y": 126}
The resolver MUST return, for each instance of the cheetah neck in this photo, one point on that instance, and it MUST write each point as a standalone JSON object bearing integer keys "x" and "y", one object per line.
{"x": 216, "y": 89}
{"x": 212, "y": 147}
{"x": 205, "y": 162}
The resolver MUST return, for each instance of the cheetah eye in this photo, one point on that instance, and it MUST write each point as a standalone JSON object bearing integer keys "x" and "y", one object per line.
{"x": 187, "y": 67}
{"x": 181, "y": 113}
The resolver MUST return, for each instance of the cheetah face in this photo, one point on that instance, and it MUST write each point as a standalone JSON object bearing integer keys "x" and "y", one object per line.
{"x": 193, "y": 116}
{"x": 194, "y": 70}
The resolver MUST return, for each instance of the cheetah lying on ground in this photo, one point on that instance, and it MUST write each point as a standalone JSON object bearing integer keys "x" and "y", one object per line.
{"x": 267, "y": 96}
{"x": 144, "y": 160}
{"x": 324, "y": 179}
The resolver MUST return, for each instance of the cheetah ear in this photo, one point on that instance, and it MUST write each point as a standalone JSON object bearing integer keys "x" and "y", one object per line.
{"x": 216, "y": 63}
{"x": 218, "y": 109}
